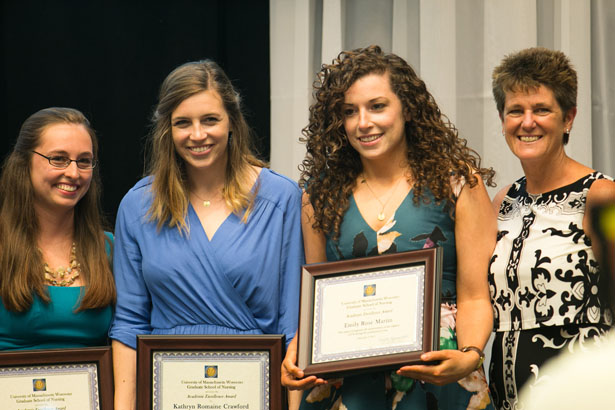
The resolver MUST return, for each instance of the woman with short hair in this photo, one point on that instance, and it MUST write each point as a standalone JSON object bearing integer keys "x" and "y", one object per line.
{"x": 547, "y": 289}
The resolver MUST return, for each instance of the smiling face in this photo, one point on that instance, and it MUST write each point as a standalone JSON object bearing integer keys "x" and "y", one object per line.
{"x": 534, "y": 124}
{"x": 58, "y": 189}
{"x": 374, "y": 119}
{"x": 200, "y": 127}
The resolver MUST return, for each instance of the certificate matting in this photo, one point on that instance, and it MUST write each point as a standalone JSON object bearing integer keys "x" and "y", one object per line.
{"x": 366, "y": 313}
{"x": 370, "y": 324}
{"x": 67, "y": 379}
{"x": 209, "y": 372}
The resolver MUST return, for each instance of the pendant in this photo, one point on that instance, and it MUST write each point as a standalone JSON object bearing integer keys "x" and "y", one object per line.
{"x": 381, "y": 216}
{"x": 206, "y": 203}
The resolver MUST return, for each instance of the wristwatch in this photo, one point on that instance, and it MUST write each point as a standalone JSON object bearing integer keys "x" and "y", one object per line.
{"x": 481, "y": 354}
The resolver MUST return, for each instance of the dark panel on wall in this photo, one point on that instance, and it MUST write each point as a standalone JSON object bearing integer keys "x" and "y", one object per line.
{"x": 108, "y": 59}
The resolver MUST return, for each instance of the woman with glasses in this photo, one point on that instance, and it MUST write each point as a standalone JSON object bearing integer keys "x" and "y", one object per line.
{"x": 210, "y": 242}
{"x": 56, "y": 284}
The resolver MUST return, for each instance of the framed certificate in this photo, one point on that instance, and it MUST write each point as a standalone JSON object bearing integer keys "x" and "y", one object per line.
{"x": 67, "y": 379}
{"x": 366, "y": 313}
{"x": 209, "y": 372}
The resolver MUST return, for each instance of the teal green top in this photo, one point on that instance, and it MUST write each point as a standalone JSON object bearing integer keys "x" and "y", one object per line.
{"x": 410, "y": 227}
{"x": 56, "y": 324}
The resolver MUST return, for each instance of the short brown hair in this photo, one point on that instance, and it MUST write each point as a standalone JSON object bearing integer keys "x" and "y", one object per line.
{"x": 529, "y": 69}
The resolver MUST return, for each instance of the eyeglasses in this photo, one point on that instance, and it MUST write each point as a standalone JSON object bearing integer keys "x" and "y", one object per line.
{"x": 61, "y": 162}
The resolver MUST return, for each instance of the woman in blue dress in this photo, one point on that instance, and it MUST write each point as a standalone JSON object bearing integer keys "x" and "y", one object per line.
{"x": 210, "y": 242}
{"x": 56, "y": 286}
{"x": 386, "y": 172}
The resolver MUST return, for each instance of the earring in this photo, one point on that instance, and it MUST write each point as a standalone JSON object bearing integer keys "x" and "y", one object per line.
{"x": 230, "y": 136}
{"x": 566, "y": 136}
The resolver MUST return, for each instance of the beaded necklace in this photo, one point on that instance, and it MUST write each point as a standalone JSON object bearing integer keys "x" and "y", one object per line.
{"x": 64, "y": 276}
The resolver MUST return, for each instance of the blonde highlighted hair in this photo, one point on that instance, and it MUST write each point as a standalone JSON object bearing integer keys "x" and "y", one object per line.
{"x": 170, "y": 189}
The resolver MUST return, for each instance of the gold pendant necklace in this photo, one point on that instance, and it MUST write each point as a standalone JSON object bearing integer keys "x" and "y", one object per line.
{"x": 381, "y": 214}
{"x": 206, "y": 202}
{"x": 62, "y": 276}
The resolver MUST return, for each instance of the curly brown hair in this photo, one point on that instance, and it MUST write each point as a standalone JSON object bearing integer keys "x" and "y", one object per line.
{"x": 331, "y": 165}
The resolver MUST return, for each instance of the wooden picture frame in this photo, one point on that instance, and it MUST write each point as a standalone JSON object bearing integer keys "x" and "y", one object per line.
{"x": 169, "y": 367}
{"x": 75, "y": 379}
{"x": 369, "y": 313}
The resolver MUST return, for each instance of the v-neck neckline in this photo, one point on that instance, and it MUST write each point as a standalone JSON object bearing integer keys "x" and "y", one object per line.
{"x": 226, "y": 219}
{"x": 387, "y": 221}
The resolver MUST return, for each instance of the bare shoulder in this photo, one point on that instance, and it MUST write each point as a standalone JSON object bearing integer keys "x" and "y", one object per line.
{"x": 314, "y": 241}
{"x": 461, "y": 186}
{"x": 499, "y": 197}
{"x": 305, "y": 202}
{"x": 473, "y": 203}
{"x": 307, "y": 214}
{"x": 602, "y": 190}
{"x": 470, "y": 195}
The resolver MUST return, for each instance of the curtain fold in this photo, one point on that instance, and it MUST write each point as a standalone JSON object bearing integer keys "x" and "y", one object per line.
{"x": 603, "y": 85}
{"x": 454, "y": 46}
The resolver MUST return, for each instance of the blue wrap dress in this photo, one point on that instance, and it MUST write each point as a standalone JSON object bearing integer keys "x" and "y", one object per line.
{"x": 245, "y": 280}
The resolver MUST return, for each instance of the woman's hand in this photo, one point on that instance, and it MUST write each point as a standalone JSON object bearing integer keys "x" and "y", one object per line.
{"x": 453, "y": 365}
{"x": 292, "y": 376}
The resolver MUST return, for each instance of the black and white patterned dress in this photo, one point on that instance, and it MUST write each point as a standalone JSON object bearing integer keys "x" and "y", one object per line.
{"x": 545, "y": 284}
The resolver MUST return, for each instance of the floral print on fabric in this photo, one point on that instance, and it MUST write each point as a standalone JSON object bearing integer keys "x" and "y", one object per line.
{"x": 412, "y": 226}
{"x": 545, "y": 284}
{"x": 543, "y": 271}
{"x": 331, "y": 395}
{"x": 518, "y": 356}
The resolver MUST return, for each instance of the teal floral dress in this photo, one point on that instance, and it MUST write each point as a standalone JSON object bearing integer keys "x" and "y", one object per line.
{"x": 411, "y": 227}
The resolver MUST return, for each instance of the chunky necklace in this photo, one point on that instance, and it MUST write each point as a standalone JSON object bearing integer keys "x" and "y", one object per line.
{"x": 64, "y": 276}
{"x": 382, "y": 205}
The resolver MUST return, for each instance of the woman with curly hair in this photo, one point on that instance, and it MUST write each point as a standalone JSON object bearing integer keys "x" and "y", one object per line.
{"x": 210, "y": 241}
{"x": 386, "y": 172}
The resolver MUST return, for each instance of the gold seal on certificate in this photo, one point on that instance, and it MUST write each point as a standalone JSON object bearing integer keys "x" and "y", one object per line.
{"x": 365, "y": 313}
{"x": 209, "y": 372}
{"x": 66, "y": 379}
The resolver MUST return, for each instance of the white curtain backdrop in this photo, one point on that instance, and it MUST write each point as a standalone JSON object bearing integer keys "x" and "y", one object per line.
{"x": 454, "y": 45}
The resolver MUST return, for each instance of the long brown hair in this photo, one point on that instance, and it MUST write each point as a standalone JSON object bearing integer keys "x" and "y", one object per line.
{"x": 21, "y": 262}
{"x": 169, "y": 186}
{"x": 331, "y": 165}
